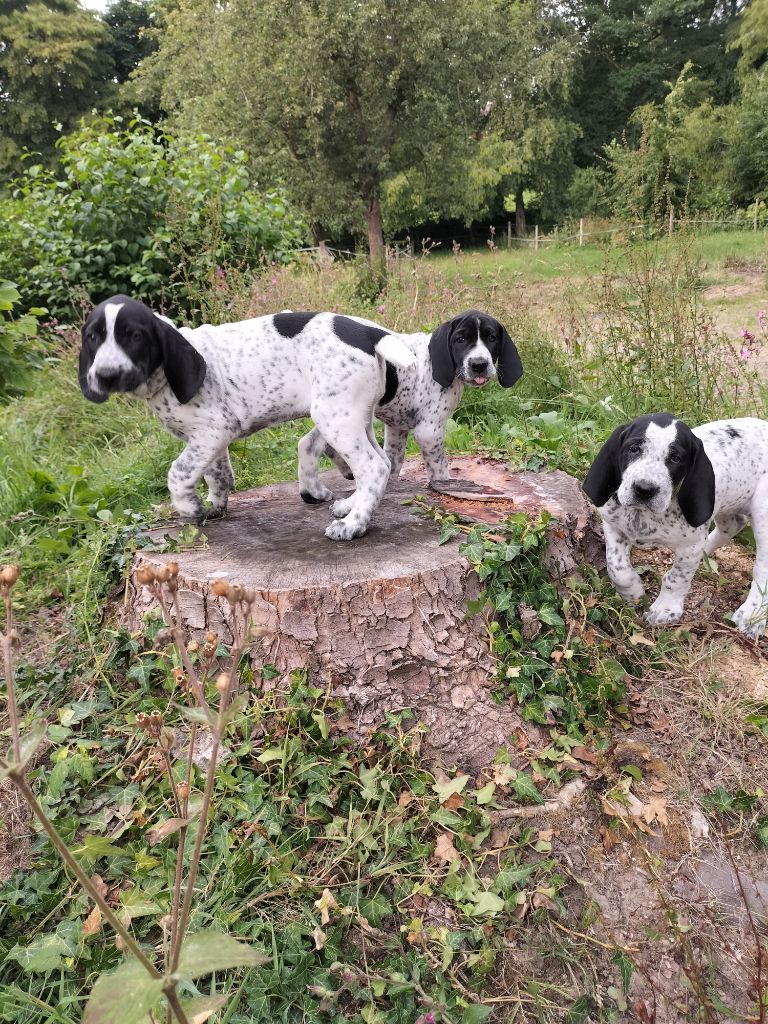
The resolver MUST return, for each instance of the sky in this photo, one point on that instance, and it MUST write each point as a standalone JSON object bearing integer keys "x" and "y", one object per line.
{"x": 95, "y": 5}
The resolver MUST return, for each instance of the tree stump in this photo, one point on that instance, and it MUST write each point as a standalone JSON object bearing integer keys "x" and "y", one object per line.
{"x": 381, "y": 621}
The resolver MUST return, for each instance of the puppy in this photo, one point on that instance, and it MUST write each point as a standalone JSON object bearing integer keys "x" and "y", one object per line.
{"x": 211, "y": 385}
{"x": 464, "y": 351}
{"x": 656, "y": 482}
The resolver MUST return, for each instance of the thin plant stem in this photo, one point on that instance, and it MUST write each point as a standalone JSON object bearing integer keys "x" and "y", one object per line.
{"x": 13, "y": 715}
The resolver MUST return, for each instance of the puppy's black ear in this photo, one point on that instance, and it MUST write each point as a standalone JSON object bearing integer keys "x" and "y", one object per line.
{"x": 84, "y": 365}
{"x": 183, "y": 365}
{"x": 696, "y": 496}
{"x": 441, "y": 354}
{"x": 510, "y": 365}
{"x": 604, "y": 474}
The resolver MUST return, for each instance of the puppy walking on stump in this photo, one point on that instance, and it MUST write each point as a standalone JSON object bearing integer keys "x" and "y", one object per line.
{"x": 211, "y": 385}
{"x": 464, "y": 351}
{"x": 657, "y": 482}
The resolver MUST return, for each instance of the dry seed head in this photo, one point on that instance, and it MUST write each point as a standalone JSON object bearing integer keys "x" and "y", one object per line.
{"x": 211, "y": 638}
{"x": 193, "y": 646}
{"x": 182, "y": 790}
{"x": 173, "y": 569}
{"x": 145, "y": 575}
{"x": 236, "y": 593}
{"x": 162, "y": 575}
{"x": 178, "y": 675}
{"x": 222, "y": 682}
{"x": 209, "y": 650}
{"x": 9, "y": 574}
{"x": 250, "y": 595}
{"x": 220, "y": 588}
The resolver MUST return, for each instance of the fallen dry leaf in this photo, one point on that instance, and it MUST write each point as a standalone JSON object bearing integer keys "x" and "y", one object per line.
{"x": 319, "y": 936}
{"x": 325, "y": 904}
{"x": 100, "y": 886}
{"x": 92, "y": 923}
{"x": 166, "y": 828}
{"x": 445, "y": 851}
{"x": 454, "y": 801}
{"x": 582, "y": 754}
{"x": 405, "y": 798}
{"x": 656, "y": 810}
{"x": 201, "y": 1009}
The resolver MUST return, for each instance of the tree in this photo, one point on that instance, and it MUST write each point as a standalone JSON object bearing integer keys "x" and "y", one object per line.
{"x": 52, "y": 68}
{"x": 130, "y": 40}
{"x": 353, "y": 104}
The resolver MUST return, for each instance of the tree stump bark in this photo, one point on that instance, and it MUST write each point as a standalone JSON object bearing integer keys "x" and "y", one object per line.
{"x": 381, "y": 621}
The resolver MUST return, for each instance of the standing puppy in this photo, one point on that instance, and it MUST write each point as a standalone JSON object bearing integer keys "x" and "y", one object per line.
{"x": 656, "y": 482}
{"x": 422, "y": 397}
{"x": 211, "y": 385}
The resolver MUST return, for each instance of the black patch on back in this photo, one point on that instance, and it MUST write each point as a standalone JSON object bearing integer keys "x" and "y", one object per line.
{"x": 288, "y": 325}
{"x": 391, "y": 386}
{"x": 362, "y": 336}
{"x": 732, "y": 432}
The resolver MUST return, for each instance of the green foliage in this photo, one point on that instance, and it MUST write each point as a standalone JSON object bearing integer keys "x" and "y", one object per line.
{"x": 52, "y": 66}
{"x": 153, "y": 215}
{"x": 545, "y": 636}
{"x": 20, "y": 349}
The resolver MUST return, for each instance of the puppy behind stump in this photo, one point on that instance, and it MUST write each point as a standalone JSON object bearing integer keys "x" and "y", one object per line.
{"x": 381, "y": 622}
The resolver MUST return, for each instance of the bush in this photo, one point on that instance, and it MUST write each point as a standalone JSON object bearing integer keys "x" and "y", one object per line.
{"x": 154, "y": 215}
{"x": 19, "y": 348}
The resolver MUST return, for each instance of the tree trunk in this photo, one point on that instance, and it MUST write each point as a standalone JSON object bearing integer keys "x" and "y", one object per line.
{"x": 520, "y": 228}
{"x": 375, "y": 232}
{"x": 380, "y": 622}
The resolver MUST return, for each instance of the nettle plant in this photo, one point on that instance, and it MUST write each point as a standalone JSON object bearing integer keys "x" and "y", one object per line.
{"x": 139, "y": 987}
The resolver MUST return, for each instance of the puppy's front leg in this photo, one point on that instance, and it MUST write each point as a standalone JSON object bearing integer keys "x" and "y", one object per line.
{"x": 394, "y": 448}
{"x": 668, "y": 606}
{"x": 220, "y": 480}
{"x": 620, "y": 570}
{"x": 430, "y": 437}
{"x": 185, "y": 474}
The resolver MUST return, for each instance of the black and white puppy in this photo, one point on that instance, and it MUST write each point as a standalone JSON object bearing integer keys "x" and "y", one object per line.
{"x": 657, "y": 482}
{"x": 210, "y": 385}
{"x": 464, "y": 351}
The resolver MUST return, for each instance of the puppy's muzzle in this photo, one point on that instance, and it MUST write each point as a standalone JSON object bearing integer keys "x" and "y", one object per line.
{"x": 479, "y": 372}
{"x": 643, "y": 491}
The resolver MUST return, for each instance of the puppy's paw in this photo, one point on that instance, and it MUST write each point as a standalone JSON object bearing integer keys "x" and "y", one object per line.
{"x": 341, "y": 529}
{"x": 190, "y": 511}
{"x": 750, "y": 622}
{"x": 659, "y": 615}
{"x": 317, "y": 497}
{"x": 342, "y": 507}
{"x": 216, "y": 512}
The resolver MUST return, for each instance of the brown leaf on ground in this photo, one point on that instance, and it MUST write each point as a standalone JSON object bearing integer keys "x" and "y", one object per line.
{"x": 445, "y": 851}
{"x": 454, "y": 801}
{"x": 656, "y": 810}
{"x": 92, "y": 923}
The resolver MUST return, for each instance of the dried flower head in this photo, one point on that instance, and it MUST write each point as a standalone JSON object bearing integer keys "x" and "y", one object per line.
{"x": 182, "y": 790}
{"x": 9, "y": 574}
{"x": 222, "y": 682}
{"x": 145, "y": 575}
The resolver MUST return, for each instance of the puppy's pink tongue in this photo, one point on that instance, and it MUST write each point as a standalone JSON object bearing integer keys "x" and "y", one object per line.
{"x": 480, "y": 380}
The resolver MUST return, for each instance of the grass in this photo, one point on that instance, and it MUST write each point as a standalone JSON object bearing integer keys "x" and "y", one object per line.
{"x": 440, "y": 902}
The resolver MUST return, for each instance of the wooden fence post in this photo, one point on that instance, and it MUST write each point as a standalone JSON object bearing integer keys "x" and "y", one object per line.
{"x": 509, "y": 234}
{"x": 536, "y": 237}
{"x": 581, "y": 231}
{"x": 671, "y": 221}
{"x": 754, "y": 222}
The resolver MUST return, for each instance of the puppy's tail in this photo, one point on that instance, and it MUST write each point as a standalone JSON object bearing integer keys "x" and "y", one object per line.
{"x": 391, "y": 348}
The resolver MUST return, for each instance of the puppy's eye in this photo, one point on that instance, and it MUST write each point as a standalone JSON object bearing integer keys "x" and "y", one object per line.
{"x": 634, "y": 449}
{"x": 674, "y": 459}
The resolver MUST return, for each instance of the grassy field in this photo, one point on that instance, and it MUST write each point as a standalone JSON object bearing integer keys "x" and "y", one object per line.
{"x": 644, "y": 899}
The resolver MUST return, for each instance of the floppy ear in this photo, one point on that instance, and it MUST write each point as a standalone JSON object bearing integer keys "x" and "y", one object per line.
{"x": 696, "y": 496}
{"x": 83, "y": 368}
{"x": 604, "y": 475}
{"x": 510, "y": 365}
{"x": 183, "y": 365}
{"x": 441, "y": 355}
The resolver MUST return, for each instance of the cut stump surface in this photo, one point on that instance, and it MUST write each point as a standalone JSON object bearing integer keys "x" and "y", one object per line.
{"x": 381, "y": 621}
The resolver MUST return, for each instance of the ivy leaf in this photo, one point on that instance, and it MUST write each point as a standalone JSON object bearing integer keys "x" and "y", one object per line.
{"x": 43, "y": 954}
{"x": 446, "y": 789}
{"x": 29, "y": 743}
{"x": 487, "y": 904}
{"x": 476, "y": 1014}
{"x": 126, "y": 996}
{"x": 525, "y": 788}
{"x": 203, "y": 952}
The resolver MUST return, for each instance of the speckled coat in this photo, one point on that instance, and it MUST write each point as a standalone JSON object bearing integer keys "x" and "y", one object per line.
{"x": 421, "y": 398}
{"x": 212, "y": 384}
{"x": 657, "y": 486}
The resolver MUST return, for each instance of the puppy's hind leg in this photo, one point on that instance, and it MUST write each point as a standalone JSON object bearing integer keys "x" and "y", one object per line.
{"x": 185, "y": 474}
{"x": 311, "y": 447}
{"x": 752, "y": 615}
{"x": 349, "y": 437}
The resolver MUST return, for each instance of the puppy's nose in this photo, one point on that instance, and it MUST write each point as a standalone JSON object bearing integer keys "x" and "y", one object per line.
{"x": 644, "y": 490}
{"x": 478, "y": 365}
{"x": 107, "y": 378}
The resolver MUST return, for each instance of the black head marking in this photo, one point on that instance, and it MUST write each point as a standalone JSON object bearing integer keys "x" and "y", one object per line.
{"x": 147, "y": 342}
{"x": 357, "y": 335}
{"x": 732, "y": 432}
{"x": 623, "y": 446}
{"x": 390, "y": 389}
{"x": 288, "y": 325}
{"x": 451, "y": 341}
